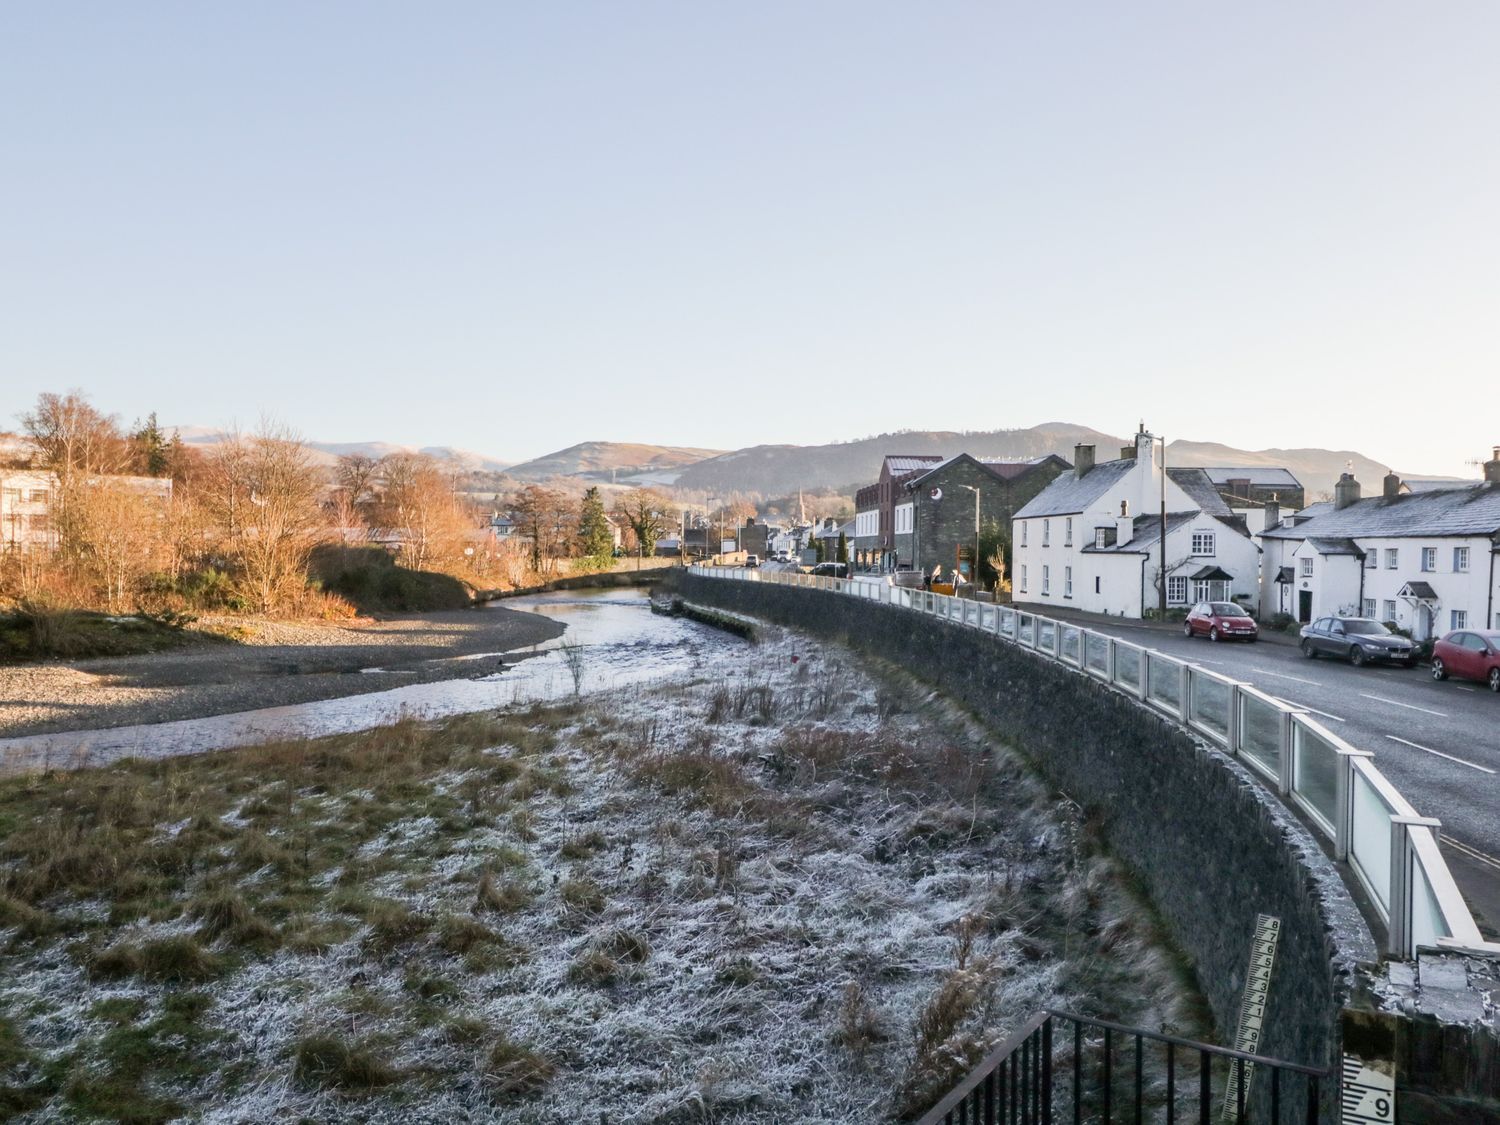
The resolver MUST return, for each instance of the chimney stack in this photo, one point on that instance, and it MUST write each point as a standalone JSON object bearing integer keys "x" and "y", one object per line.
{"x": 1492, "y": 467}
{"x": 1273, "y": 514}
{"x": 1392, "y": 487}
{"x": 1127, "y": 453}
{"x": 1083, "y": 460}
{"x": 1124, "y": 526}
{"x": 1345, "y": 492}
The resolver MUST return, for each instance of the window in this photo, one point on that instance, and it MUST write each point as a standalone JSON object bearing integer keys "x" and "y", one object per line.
{"x": 38, "y": 496}
{"x": 1068, "y": 532}
{"x": 1307, "y": 567}
{"x": 1368, "y": 609}
{"x": 1046, "y": 534}
{"x": 1372, "y": 559}
{"x": 1023, "y": 533}
{"x": 1067, "y": 581}
{"x": 41, "y": 522}
{"x": 1100, "y": 537}
{"x": 12, "y": 496}
{"x": 1177, "y": 590}
{"x": 1046, "y": 579}
{"x": 1096, "y": 584}
{"x": 1429, "y": 559}
{"x": 1023, "y": 577}
{"x": 1203, "y": 542}
{"x": 1458, "y": 619}
{"x": 1460, "y": 559}
{"x": 1388, "y": 610}
{"x": 1390, "y": 558}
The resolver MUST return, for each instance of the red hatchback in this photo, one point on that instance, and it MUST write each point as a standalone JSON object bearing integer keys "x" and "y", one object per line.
{"x": 1220, "y": 621}
{"x": 1468, "y": 654}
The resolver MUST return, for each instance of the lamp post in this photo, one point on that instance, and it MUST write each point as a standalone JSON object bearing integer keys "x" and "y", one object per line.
{"x": 974, "y": 570}
{"x": 709, "y": 529}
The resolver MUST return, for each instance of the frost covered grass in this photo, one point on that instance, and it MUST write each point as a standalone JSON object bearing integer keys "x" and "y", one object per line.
{"x": 788, "y": 890}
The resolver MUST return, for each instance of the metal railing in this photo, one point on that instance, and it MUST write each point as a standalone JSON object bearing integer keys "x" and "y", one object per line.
{"x": 1062, "y": 1068}
{"x": 1389, "y": 850}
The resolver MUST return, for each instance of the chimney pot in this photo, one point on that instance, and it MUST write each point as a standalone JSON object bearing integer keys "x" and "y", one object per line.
{"x": 1083, "y": 460}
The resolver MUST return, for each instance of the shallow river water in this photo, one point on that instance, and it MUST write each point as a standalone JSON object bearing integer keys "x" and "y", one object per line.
{"x": 613, "y": 637}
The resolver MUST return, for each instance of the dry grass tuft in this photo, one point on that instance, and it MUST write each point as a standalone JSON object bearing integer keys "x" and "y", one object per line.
{"x": 332, "y": 1062}
{"x": 513, "y": 1069}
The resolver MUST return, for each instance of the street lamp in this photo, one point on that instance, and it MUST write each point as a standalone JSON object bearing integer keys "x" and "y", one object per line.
{"x": 974, "y": 570}
{"x": 707, "y": 530}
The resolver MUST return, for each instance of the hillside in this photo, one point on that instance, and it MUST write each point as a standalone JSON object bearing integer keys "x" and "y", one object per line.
{"x": 770, "y": 469}
{"x": 327, "y": 452}
{"x": 612, "y": 458}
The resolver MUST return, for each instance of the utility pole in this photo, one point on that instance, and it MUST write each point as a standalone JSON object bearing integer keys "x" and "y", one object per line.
{"x": 1161, "y": 603}
{"x": 974, "y": 568}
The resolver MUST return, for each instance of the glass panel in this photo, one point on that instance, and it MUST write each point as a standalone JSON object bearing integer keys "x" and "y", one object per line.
{"x": 1128, "y": 666}
{"x": 1097, "y": 652}
{"x": 1070, "y": 638}
{"x": 1370, "y": 840}
{"x": 1315, "y": 773}
{"x": 1008, "y": 622}
{"x": 1260, "y": 733}
{"x": 1028, "y": 629}
{"x": 1210, "y": 703}
{"x": 1163, "y": 680}
{"x": 1046, "y": 635}
{"x": 987, "y": 617}
{"x": 1427, "y": 923}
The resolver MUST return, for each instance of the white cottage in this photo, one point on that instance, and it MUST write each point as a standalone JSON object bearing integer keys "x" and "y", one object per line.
{"x": 1426, "y": 561}
{"x": 1093, "y": 540}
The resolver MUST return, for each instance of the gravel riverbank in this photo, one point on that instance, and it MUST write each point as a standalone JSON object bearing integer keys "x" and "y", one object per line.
{"x": 274, "y": 663}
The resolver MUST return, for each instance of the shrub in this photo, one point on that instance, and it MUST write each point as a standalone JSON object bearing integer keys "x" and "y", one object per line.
{"x": 327, "y": 1060}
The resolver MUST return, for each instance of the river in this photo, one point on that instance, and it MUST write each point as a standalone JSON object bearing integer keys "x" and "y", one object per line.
{"x": 611, "y": 639}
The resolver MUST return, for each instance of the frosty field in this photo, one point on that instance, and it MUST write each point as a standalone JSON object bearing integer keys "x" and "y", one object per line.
{"x": 777, "y": 890}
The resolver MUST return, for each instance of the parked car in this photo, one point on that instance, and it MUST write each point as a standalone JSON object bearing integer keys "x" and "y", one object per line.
{"x": 1220, "y": 621}
{"x": 831, "y": 570}
{"x": 1360, "y": 639}
{"x": 752, "y": 560}
{"x": 1468, "y": 654}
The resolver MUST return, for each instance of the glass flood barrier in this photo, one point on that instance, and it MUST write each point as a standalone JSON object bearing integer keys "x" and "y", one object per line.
{"x": 1163, "y": 681}
{"x": 1096, "y": 653}
{"x": 1260, "y": 733}
{"x": 1128, "y": 666}
{"x": 1072, "y": 642}
{"x": 1315, "y": 773}
{"x": 1370, "y": 837}
{"x": 1046, "y": 635}
{"x": 1209, "y": 703}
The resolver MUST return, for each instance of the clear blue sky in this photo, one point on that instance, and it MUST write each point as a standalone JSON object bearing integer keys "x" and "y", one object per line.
{"x": 511, "y": 227}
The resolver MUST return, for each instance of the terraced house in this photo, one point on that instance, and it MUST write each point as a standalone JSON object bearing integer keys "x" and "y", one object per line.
{"x": 1093, "y": 539}
{"x": 1425, "y": 559}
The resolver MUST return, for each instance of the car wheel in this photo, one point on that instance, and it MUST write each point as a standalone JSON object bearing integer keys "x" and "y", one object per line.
{"x": 1213, "y": 633}
{"x": 1438, "y": 671}
{"x": 1187, "y": 628}
{"x": 1357, "y": 656}
{"x": 1308, "y": 650}
{"x": 1495, "y": 679}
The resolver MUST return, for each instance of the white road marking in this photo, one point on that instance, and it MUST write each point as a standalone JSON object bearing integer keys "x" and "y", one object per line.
{"x": 1408, "y": 706}
{"x": 1305, "y": 707}
{"x": 1281, "y": 676}
{"x": 1472, "y": 853}
{"x": 1440, "y": 754}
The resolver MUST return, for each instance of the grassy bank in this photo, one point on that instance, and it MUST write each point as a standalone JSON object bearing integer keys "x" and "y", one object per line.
{"x": 38, "y": 632}
{"x": 788, "y": 892}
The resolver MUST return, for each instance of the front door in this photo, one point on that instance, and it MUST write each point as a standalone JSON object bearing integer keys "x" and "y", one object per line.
{"x": 1304, "y": 606}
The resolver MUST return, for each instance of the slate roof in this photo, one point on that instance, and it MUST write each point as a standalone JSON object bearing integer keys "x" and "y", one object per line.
{"x": 1421, "y": 590}
{"x": 1335, "y": 546}
{"x": 995, "y": 466}
{"x": 1286, "y": 576}
{"x": 1200, "y": 490}
{"x": 1212, "y": 574}
{"x": 1474, "y": 510}
{"x": 1144, "y": 531}
{"x": 1071, "y": 494}
{"x": 900, "y": 463}
{"x": 1261, "y": 475}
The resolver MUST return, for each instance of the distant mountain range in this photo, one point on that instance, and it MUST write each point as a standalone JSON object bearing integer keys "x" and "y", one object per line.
{"x": 780, "y": 470}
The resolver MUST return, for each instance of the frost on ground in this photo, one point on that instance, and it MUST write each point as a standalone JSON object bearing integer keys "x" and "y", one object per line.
{"x": 791, "y": 889}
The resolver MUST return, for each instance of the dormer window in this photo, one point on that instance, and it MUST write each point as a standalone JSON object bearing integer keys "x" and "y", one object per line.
{"x": 1101, "y": 539}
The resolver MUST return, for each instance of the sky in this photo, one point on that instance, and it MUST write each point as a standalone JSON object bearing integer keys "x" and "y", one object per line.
{"x": 512, "y": 227}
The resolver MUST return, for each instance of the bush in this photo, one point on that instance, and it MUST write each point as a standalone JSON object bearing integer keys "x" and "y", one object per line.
{"x": 1281, "y": 622}
{"x": 371, "y": 580}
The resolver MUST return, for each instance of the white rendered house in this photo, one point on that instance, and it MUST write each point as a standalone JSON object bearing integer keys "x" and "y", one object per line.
{"x": 1427, "y": 561}
{"x": 1092, "y": 540}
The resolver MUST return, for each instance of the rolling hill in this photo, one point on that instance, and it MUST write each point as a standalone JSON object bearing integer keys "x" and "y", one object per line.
{"x": 605, "y": 460}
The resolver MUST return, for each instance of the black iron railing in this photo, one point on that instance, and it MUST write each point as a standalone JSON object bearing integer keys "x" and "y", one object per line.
{"x": 1060, "y": 1068}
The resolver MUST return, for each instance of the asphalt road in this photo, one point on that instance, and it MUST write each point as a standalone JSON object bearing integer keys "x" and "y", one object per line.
{"x": 1439, "y": 743}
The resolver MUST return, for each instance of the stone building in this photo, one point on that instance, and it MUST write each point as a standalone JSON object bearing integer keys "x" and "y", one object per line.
{"x": 941, "y": 505}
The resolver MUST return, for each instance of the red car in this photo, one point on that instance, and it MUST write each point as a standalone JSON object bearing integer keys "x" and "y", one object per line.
{"x": 1468, "y": 654}
{"x": 1220, "y": 621}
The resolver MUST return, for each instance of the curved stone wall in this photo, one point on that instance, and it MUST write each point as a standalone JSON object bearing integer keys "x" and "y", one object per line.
{"x": 1209, "y": 846}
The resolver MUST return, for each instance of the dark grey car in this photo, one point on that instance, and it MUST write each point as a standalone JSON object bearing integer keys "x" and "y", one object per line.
{"x": 1360, "y": 640}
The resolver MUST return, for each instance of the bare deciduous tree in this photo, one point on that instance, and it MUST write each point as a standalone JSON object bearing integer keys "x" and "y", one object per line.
{"x": 418, "y": 500}
{"x": 648, "y": 514}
